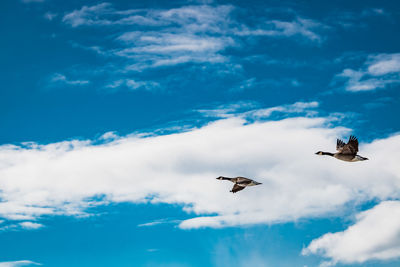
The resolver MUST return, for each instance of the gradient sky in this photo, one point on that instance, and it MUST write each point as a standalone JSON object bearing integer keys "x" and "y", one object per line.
{"x": 116, "y": 117}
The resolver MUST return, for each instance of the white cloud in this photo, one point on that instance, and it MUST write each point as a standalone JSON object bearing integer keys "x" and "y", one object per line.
{"x": 88, "y": 15}
{"x": 374, "y": 236}
{"x": 17, "y": 263}
{"x": 298, "y": 26}
{"x": 109, "y": 136}
{"x": 188, "y": 34}
{"x": 197, "y": 18}
{"x": 176, "y": 36}
{"x": 180, "y": 168}
{"x": 27, "y": 225}
{"x": 61, "y": 78}
{"x": 378, "y": 72}
{"x": 158, "y": 222}
{"x": 134, "y": 85}
{"x": 298, "y": 107}
{"x": 30, "y": 225}
{"x": 154, "y": 49}
{"x": 384, "y": 64}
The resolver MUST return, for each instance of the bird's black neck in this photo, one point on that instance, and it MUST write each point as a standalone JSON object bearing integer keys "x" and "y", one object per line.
{"x": 328, "y": 154}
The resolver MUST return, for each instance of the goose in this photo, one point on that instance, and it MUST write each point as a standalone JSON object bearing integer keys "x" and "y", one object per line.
{"x": 346, "y": 152}
{"x": 239, "y": 182}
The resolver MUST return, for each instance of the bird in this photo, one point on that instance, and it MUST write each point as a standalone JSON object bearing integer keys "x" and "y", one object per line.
{"x": 239, "y": 182}
{"x": 346, "y": 152}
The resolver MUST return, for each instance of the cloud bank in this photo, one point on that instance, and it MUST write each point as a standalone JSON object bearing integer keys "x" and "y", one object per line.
{"x": 66, "y": 178}
{"x": 374, "y": 236}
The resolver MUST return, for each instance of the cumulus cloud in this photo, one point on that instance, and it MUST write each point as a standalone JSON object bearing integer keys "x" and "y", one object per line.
{"x": 377, "y": 72}
{"x": 30, "y": 225}
{"x": 17, "y": 263}
{"x": 374, "y": 236}
{"x": 180, "y": 168}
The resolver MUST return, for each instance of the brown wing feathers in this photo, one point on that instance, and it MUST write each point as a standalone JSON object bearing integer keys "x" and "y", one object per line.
{"x": 339, "y": 145}
{"x": 353, "y": 143}
{"x": 237, "y": 188}
{"x": 350, "y": 148}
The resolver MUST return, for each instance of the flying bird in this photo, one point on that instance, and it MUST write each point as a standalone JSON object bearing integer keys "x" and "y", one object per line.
{"x": 239, "y": 182}
{"x": 346, "y": 152}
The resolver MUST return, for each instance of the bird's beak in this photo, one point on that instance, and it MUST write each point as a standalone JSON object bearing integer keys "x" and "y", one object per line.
{"x": 316, "y": 153}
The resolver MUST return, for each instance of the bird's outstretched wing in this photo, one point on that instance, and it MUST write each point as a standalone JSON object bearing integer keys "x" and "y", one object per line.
{"x": 339, "y": 145}
{"x": 237, "y": 188}
{"x": 353, "y": 143}
{"x": 350, "y": 148}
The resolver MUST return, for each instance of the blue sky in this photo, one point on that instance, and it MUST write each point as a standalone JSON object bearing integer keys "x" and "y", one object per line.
{"x": 118, "y": 116}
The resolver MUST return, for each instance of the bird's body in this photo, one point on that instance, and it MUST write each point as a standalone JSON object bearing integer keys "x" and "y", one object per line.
{"x": 239, "y": 182}
{"x": 346, "y": 152}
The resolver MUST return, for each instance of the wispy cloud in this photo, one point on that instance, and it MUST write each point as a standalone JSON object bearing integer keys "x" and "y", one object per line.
{"x": 228, "y": 110}
{"x": 162, "y": 37}
{"x": 187, "y": 34}
{"x": 168, "y": 49}
{"x": 374, "y": 236}
{"x": 133, "y": 85}
{"x": 356, "y": 19}
{"x": 308, "y": 108}
{"x": 17, "y": 263}
{"x": 379, "y": 102}
{"x": 159, "y": 222}
{"x": 298, "y": 26}
{"x": 88, "y": 15}
{"x": 50, "y": 15}
{"x": 378, "y": 71}
{"x": 201, "y": 36}
{"x": 59, "y": 78}
{"x": 27, "y": 225}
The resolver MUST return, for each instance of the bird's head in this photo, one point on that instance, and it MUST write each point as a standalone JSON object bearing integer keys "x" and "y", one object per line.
{"x": 319, "y": 153}
{"x": 220, "y": 178}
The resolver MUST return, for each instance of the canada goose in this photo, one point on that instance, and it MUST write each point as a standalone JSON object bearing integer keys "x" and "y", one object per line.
{"x": 239, "y": 182}
{"x": 347, "y": 152}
